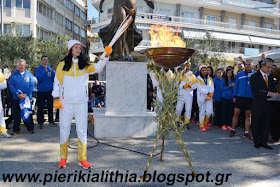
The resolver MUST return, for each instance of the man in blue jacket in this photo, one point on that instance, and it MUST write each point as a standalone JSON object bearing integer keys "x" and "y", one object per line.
{"x": 21, "y": 85}
{"x": 45, "y": 76}
{"x": 243, "y": 97}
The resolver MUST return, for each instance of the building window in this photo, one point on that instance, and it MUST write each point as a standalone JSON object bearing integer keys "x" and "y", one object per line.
{"x": 188, "y": 16}
{"x": 43, "y": 9}
{"x": 252, "y": 25}
{"x": 211, "y": 20}
{"x": 69, "y": 4}
{"x": 83, "y": 33}
{"x": 76, "y": 29}
{"x": 269, "y": 27}
{"x": 59, "y": 18}
{"x": 77, "y": 11}
{"x": 43, "y": 35}
{"x": 164, "y": 12}
{"x": 68, "y": 24}
{"x": 232, "y": 23}
{"x": 7, "y": 3}
{"x": 83, "y": 16}
{"x": 23, "y": 3}
{"x": 7, "y": 29}
{"x": 23, "y": 30}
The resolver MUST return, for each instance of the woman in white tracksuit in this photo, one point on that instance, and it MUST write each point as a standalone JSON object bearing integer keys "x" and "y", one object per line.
{"x": 205, "y": 90}
{"x": 3, "y": 130}
{"x": 70, "y": 94}
{"x": 185, "y": 95}
{"x": 169, "y": 74}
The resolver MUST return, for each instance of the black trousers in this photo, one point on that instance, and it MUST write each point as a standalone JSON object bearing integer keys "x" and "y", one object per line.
{"x": 41, "y": 100}
{"x": 217, "y": 113}
{"x": 275, "y": 124}
{"x": 17, "y": 118}
{"x": 260, "y": 125}
{"x": 227, "y": 112}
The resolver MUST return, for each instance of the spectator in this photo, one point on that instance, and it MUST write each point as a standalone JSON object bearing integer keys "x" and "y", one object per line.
{"x": 227, "y": 85}
{"x": 93, "y": 102}
{"x": 240, "y": 67}
{"x": 217, "y": 99}
{"x": 90, "y": 85}
{"x": 210, "y": 71}
{"x": 262, "y": 87}
{"x": 21, "y": 81}
{"x": 97, "y": 90}
{"x": 243, "y": 96}
{"x": 205, "y": 92}
{"x": 3, "y": 130}
{"x": 45, "y": 76}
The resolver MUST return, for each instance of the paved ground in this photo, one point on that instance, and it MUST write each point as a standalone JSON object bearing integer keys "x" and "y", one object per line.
{"x": 212, "y": 152}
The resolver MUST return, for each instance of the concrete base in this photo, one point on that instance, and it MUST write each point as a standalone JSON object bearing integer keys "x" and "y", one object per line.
{"x": 126, "y": 102}
{"x": 125, "y": 125}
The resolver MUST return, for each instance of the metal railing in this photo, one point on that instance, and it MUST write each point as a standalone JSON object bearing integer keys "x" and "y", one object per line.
{"x": 153, "y": 19}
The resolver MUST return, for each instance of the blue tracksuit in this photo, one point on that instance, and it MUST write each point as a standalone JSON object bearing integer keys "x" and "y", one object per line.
{"x": 227, "y": 92}
{"x": 45, "y": 80}
{"x": 242, "y": 87}
{"x": 24, "y": 82}
{"x": 217, "y": 85}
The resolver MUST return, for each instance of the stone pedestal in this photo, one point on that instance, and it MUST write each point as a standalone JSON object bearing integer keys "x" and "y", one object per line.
{"x": 126, "y": 102}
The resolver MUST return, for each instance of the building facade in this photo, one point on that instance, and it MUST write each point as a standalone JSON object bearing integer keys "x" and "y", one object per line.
{"x": 248, "y": 27}
{"x": 43, "y": 18}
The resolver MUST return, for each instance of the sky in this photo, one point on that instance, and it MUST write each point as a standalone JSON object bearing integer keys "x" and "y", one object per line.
{"x": 92, "y": 12}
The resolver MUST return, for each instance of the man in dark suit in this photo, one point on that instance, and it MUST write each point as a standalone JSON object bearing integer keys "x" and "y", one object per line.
{"x": 262, "y": 88}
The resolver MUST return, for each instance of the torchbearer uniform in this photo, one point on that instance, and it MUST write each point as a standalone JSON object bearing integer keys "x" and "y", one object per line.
{"x": 3, "y": 130}
{"x": 169, "y": 74}
{"x": 71, "y": 88}
{"x": 185, "y": 96}
{"x": 205, "y": 90}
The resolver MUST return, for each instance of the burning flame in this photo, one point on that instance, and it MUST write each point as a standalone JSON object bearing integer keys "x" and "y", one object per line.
{"x": 163, "y": 36}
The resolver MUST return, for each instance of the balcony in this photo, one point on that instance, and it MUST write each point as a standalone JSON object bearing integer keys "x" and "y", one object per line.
{"x": 145, "y": 20}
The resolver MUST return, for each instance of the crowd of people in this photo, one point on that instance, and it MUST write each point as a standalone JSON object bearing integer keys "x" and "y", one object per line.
{"x": 220, "y": 98}
{"x": 229, "y": 101}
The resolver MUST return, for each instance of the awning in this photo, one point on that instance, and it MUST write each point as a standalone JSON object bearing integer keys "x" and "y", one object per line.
{"x": 218, "y": 35}
{"x": 265, "y": 41}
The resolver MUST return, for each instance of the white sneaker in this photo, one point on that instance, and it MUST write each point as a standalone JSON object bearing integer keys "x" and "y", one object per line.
{"x": 6, "y": 135}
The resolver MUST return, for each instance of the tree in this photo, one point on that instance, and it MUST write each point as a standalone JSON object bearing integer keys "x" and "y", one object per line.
{"x": 14, "y": 47}
{"x": 210, "y": 51}
{"x": 55, "y": 49}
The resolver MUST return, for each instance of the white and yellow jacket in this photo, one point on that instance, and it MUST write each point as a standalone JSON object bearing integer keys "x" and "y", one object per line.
{"x": 203, "y": 89}
{"x": 72, "y": 86}
{"x": 188, "y": 77}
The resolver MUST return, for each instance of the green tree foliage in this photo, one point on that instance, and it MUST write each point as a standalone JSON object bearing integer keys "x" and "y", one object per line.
{"x": 210, "y": 50}
{"x": 55, "y": 49}
{"x": 14, "y": 47}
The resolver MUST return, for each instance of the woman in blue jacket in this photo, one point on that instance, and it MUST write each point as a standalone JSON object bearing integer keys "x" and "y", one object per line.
{"x": 217, "y": 98}
{"x": 227, "y": 95}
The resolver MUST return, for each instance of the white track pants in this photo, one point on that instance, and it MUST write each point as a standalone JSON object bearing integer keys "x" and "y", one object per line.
{"x": 205, "y": 111}
{"x": 187, "y": 101}
{"x": 79, "y": 111}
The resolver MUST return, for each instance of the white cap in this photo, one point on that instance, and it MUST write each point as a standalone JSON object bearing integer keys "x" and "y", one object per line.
{"x": 71, "y": 43}
{"x": 202, "y": 66}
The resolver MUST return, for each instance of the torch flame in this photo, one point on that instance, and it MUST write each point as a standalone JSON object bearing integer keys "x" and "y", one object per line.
{"x": 163, "y": 36}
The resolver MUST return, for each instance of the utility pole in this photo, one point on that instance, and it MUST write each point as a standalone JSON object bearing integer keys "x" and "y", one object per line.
{"x": 2, "y": 24}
